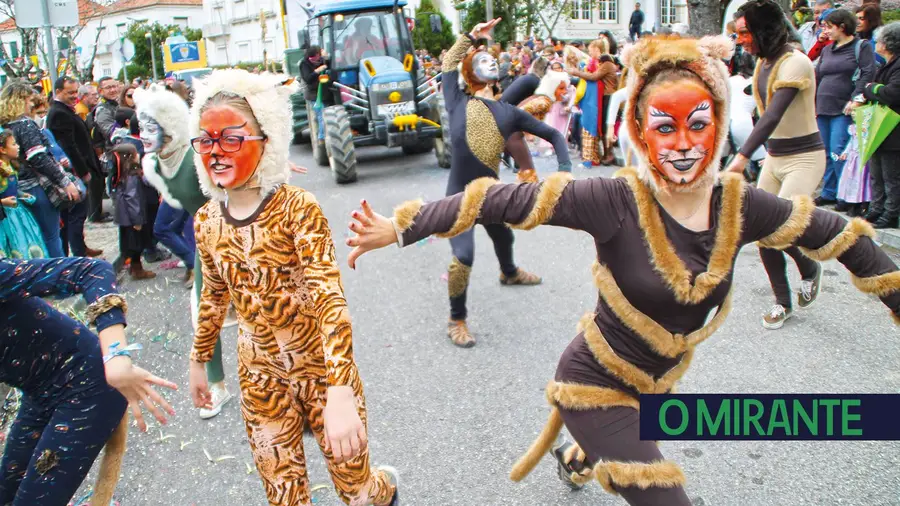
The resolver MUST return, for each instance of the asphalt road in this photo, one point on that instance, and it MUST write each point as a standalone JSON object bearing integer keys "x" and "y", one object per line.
{"x": 453, "y": 420}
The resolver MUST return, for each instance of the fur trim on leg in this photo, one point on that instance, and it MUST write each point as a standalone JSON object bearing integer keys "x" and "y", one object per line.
{"x": 584, "y": 397}
{"x": 659, "y": 474}
{"x": 663, "y": 256}
{"x": 111, "y": 464}
{"x": 547, "y": 198}
{"x": 791, "y": 230}
{"x": 457, "y": 277}
{"x": 836, "y": 247}
{"x": 539, "y": 448}
{"x": 406, "y": 213}
{"x": 895, "y": 317}
{"x": 882, "y": 285}
{"x": 470, "y": 207}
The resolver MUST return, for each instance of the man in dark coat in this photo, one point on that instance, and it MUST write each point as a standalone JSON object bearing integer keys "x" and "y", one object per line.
{"x": 72, "y": 136}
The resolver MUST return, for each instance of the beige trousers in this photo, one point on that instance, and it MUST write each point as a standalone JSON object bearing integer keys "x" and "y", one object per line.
{"x": 791, "y": 175}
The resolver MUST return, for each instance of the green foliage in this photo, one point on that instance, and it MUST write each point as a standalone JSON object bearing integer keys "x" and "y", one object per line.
{"x": 136, "y": 33}
{"x": 505, "y": 31}
{"x": 136, "y": 70}
{"x": 890, "y": 16}
{"x": 424, "y": 38}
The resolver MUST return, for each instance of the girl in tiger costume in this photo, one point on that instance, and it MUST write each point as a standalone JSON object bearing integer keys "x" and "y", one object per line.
{"x": 266, "y": 248}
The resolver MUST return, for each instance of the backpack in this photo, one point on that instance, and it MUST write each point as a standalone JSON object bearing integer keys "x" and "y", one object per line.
{"x": 97, "y": 138}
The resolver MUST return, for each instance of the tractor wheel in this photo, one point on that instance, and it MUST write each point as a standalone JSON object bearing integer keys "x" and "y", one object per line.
{"x": 420, "y": 147}
{"x": 339, "y": 141}
{"x": 318, "y": 146}
{"x": 442, "y": 143}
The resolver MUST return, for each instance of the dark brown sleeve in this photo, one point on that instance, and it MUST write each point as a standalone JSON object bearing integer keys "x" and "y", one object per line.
{"x": 823, "y": 235}
{"x": 596, "y": 206}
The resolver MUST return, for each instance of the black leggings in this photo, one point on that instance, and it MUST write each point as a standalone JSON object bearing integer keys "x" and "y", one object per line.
{"x": 776, "y": 267}
{"x": 613, "y": 435}
{"x": 68, "y": 411}
{"x": 463, "y": 247}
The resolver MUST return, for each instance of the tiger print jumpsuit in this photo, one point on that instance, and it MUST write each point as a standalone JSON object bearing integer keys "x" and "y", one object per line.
{"x": 278, "y": 268}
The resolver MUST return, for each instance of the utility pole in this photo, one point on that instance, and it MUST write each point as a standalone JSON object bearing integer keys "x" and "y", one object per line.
{"x": 489, "y": 9}
{"x": 48, "y": 34}
{"x": 262, "y": 24}
{"x": 149, "y": 35}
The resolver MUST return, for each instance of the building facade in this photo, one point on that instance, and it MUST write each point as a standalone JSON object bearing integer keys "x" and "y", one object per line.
{"x": 233, "y": 30}
{"x": 588, "y": 17}
{"x": 107, "y": 25}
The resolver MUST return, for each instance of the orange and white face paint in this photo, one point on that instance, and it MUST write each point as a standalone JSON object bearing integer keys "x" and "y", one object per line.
{"x": 679, "y": 128}
{"x": 230, "y": 170}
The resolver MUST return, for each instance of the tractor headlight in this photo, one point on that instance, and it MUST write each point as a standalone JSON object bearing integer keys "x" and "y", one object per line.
{"x": 402, "y": 85}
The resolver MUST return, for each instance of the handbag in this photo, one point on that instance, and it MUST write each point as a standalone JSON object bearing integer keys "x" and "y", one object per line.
{"x": 57, "y": 194}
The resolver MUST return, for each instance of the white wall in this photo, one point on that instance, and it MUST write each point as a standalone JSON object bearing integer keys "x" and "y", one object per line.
{"x": 588, "y": 29}
{"x": 233, "y": 32}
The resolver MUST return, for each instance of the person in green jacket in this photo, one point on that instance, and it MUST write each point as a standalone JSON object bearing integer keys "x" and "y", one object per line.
{"x": 169, "y": 166}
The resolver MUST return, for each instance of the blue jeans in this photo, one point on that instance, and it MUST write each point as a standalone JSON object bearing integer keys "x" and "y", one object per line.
{"x": 175, "y": 229}
{"x": 320, "y": 120}
{"x": 47, "y": 217}
{"x": 833, "y": 130}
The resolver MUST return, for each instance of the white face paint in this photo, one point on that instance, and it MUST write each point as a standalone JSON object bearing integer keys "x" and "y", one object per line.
{"x": 485, "y": 67}
{"x": 151, "y": 134}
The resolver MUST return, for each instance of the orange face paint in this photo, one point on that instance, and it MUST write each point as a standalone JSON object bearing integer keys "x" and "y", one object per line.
{"x": 561, "y": 91}
{"x": 743, "y": 36}
{"x": 679, "y": 128}
{"x": 229, "y": 170}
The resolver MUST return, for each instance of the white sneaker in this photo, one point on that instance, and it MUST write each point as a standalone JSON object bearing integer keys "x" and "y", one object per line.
{"x": 220, "y": 396}
{"x": 181, "y": 264}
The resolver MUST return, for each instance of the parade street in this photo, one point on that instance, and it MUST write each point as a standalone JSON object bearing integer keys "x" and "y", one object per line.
{"x": 453, "y": 420}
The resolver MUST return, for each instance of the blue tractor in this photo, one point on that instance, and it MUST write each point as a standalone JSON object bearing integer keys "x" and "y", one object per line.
{"x": 383, "y": 97}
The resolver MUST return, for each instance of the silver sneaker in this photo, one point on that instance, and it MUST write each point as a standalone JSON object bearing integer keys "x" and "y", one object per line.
{"x": 809, "y": 290}
{"x": 394, "y": 477}
{"x": 775, "y": 318}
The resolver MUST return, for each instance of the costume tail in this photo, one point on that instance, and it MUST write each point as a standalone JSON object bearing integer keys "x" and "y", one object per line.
{"x": 108, "y": 477}
{"x": 539, "y": 448}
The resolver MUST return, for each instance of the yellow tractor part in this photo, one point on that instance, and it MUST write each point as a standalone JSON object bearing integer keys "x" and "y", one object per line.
{"x": 411, "y": 120}
{"x": 408, "y": 62}
{"x": 369, "y": 68}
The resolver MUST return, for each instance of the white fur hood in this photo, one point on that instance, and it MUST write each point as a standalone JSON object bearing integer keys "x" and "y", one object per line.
{"x": 269, "y": 95}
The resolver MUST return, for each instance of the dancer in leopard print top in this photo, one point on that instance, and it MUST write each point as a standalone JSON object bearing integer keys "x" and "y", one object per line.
{"x": 266, "y": 248}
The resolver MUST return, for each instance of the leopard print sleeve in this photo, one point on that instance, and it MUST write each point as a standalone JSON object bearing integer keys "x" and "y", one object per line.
{"x": 214, "y": 296}
{"x": 456, "y": 53}
{"x": 315, "y": 248}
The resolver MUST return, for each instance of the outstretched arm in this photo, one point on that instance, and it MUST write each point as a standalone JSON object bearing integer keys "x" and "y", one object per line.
{"x": 594, "y": 205}
{"x": 63, "y": 277}
{"x": 528, "y": 123}
{"x": 823, "y": 235}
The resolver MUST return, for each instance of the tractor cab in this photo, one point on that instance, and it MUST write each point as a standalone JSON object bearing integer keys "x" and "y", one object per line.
{"x": 374, "y": 92}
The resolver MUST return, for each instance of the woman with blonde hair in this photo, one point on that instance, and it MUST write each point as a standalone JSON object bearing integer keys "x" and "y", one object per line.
{"x": 39, "y": 173}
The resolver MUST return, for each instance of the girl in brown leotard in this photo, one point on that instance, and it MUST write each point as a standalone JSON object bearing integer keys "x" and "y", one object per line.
{"x": 667, "y": 235}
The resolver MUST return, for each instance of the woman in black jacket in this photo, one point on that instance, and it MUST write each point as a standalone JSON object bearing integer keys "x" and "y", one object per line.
{"x": 311, "y": 68}
{"x": 39, "y": 170}
{"x": 885, "y": 165}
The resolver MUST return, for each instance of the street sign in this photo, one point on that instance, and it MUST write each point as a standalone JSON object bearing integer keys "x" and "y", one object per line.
{"x": 124, "y": 48}
{"x": 62, "y": 13}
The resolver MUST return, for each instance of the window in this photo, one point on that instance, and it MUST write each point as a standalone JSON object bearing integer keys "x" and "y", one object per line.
{"x": 581, "y": 10}
{"x": 13, "y": 49}
{"x": 243, "y": 51}
{"x": 181, "y": 21}
{"x": 608, "y": 10}
{"x": 667, "y": 12}
{"x": 360, "y": 36}
{"x": 270, "y": 48}
{"x": 106, "y": 71}
{"x": 120, "y": 30}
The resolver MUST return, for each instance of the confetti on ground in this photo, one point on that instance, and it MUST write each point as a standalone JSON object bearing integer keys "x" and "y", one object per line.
{"x": 444, "y": 277}
{"x": 184, "y": 445}
{"x": 249, "y": 469}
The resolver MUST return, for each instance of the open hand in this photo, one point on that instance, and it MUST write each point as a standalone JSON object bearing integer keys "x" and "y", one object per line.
{"x": 9, "y": 202}
{"x": 72, "y": 192}
{"x": 373, "y": 231}
{"x": 136, "y": 385}
{"x": 483, "y": 30}
{"x": 345, "y": 434}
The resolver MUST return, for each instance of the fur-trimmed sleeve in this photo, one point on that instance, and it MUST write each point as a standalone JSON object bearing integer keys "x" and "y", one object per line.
{"x": 595, "y": 205}
{"x": 796, "y": 72}
{"x": 823, "y": 235}
{"x": 456, "y": 53}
